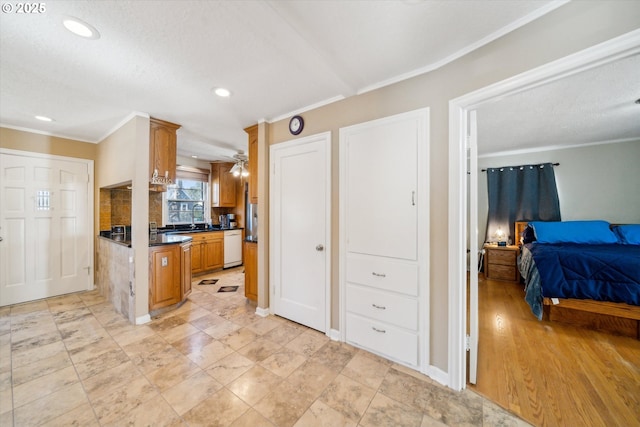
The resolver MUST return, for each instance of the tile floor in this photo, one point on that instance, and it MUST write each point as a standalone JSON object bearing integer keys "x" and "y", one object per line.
{"x": 72, "y": 360}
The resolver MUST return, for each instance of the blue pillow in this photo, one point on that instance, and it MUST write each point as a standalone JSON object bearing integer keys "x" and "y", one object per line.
{"x": 590, "y": 232}
{"x": 628, "y": 234}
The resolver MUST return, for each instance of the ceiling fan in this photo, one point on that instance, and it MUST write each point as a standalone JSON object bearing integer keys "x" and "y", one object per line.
{"x": 240, "y": 169}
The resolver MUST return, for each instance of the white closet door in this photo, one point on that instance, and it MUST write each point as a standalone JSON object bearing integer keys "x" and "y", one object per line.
{"x": 384, "y": 237}
{"x": 300, "y": 226}
{"x": 382, "y": 175}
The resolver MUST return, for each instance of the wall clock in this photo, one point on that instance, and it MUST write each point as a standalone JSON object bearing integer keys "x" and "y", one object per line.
{"x": 296, "y": 124}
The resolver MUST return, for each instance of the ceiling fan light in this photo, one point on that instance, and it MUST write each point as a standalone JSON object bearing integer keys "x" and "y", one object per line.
{"x": 235, "y": 170}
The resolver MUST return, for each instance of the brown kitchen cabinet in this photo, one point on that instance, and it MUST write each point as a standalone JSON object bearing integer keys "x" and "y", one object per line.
{"x": 207, "y": 251}
{"x": 251, "y": 270}
{"x": 501, "y": 263}
{"x": 162, "y": 153}
{"x": 223, "y": 186}
{"x": 252, "y": 132}
{"x": 169, "y": 274}
{"x": 185, "y": 264}
{"x": 164, "y": 276}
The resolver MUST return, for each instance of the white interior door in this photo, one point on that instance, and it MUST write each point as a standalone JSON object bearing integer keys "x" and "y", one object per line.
{"x": 473, "y": 247}
{"x": 300, "y": 229}
{"x": 45, "y": 227}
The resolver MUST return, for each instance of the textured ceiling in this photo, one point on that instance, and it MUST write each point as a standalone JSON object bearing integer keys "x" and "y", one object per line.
{"x": 164, "y": 57}
{"x": 594, "y": 106}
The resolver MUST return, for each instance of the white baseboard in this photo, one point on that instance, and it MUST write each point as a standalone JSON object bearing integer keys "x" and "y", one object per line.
{"x": 438, "y": 375}
{"x": 143, "y": 319}
{"x": 262, "y": 312}
{"x": 334, "y": 334}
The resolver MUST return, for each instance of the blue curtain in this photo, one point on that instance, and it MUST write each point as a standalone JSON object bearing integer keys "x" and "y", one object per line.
{"x": 520, "y": 193}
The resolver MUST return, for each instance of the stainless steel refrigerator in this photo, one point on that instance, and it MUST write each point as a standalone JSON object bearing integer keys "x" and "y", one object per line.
{"x": 251, "y": 215}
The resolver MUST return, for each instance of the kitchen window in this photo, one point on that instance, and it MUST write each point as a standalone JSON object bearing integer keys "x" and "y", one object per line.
{"x": 186, "y": 201}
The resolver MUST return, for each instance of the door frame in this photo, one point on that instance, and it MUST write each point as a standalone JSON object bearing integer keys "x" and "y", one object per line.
{"x": 274, "y": 229}
{"x": 90, "y": 199}
{"x": 617, "y": 48}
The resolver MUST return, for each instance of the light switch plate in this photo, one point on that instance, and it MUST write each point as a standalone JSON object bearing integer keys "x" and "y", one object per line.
{"x": 165, "y": 261}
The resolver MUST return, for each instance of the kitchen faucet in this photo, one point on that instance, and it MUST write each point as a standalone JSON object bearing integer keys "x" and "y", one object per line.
{"x": 193, "y": 214}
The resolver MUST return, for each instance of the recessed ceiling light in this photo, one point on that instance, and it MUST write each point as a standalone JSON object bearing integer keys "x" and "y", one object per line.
{"x": 194, "y": 156}
{"x": 222, "y": 92}
{"x": 44, "y": 118}
{"x": 80, "y": 28}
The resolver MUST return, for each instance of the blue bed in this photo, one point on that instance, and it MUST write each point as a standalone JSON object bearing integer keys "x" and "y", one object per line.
{"x": 585, "y": 265}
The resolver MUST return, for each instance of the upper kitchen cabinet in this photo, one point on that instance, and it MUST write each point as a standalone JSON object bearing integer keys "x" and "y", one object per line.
{"x": 162, "y": 153}
{"x": 223, "y": 186}
{"x": 252, "y": 131}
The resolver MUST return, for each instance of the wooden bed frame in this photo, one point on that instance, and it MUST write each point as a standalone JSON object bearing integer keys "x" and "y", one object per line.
{"x": 618, "y": 318}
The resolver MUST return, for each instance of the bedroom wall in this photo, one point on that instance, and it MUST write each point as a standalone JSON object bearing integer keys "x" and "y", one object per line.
{"x": 594, "y": 182}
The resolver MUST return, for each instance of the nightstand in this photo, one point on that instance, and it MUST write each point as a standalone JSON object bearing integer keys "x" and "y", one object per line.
{"x": 501, "y": 263}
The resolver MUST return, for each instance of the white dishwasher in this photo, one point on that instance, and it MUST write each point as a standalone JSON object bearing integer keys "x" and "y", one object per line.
{"x": 232, "y": 248}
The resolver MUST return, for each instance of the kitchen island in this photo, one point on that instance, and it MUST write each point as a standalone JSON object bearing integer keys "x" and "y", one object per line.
{"x": 169, "y": 271}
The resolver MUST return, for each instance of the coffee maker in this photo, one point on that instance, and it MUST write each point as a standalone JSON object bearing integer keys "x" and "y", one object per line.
{"x": 231, "y": 218}
{"x": 228, "y": 221}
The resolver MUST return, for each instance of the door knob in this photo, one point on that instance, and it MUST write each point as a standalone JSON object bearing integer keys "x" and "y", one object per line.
{"x": 320, "y": 248}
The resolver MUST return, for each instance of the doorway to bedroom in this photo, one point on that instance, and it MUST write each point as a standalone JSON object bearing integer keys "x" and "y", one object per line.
{"x": 511, "y": 340}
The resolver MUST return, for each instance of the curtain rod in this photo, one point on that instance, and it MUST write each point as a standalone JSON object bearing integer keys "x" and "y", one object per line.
{"x": 502, "y": 167}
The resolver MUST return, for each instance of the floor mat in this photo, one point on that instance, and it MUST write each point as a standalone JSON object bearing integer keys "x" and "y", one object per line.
{"x": 208, "y": 282}
{"x": 228, "y": 289}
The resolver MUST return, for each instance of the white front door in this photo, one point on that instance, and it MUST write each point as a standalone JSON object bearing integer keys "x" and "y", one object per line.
{"x": 300, "y": 214}
{"x": 45, "y": 226}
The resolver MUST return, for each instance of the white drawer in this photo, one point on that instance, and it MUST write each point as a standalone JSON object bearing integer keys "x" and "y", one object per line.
{"x": 383, "y": 273}
{"x": 383, "y": 339}
{"x": 383, "y": 306}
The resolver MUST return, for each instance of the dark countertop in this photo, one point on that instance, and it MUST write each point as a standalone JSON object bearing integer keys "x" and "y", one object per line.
{"x": 157, "y": 240}
{"x": 198, "y": 229}
{"x": 167, "y": 239}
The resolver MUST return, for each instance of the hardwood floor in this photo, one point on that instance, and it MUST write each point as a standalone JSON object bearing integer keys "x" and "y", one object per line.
{"x": 551, "y": 373}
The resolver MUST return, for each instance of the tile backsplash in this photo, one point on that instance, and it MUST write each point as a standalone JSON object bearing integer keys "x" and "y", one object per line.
{"x": 155, "y": 207}
{"x": 120, "y": 207}
{"x": 115, "y": 207}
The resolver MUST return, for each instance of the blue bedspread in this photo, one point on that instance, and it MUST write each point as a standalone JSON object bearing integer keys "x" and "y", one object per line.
{"x": 599, "y": 272}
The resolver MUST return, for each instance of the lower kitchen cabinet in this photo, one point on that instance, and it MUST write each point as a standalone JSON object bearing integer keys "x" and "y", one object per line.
{"x": 207, "y": 251}
{"x": 185, "y": 261}
{"x": 169, "y": 274}
{"x": 213, "y": 253}
{"x": 251, "y": 270}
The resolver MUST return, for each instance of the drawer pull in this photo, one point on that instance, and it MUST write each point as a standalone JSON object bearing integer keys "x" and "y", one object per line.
{"x": 382, "y": 331}
{"x": 380, "y": 307}
{"x": 378, "y": 274}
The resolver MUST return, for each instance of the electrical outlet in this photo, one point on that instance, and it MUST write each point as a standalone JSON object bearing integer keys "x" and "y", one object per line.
{"x": 165, "y": 261}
